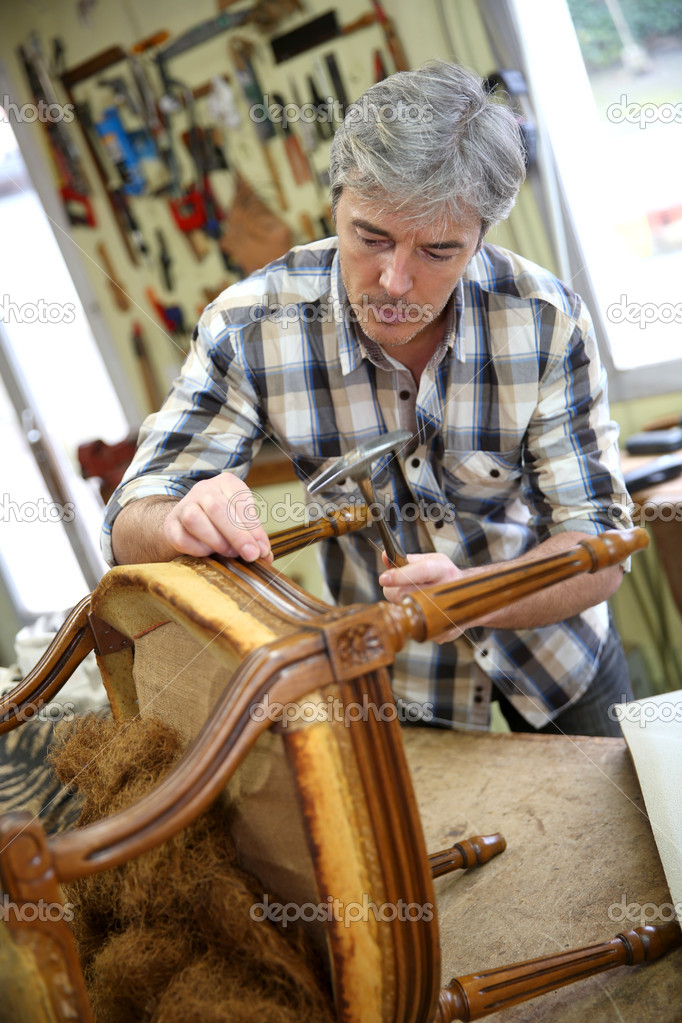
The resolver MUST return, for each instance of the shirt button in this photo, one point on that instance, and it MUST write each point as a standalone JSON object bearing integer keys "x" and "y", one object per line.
{"x": 439, "y": 524}
{"x": 415, "y": 463}
{"x": 495, "y": 473}
{"x": 404, "y": 395}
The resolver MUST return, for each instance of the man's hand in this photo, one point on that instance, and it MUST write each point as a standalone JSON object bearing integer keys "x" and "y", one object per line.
{"x": 421, "y": 570}
{"x": 546, "y": 607}
{"x": 218, "y": 516}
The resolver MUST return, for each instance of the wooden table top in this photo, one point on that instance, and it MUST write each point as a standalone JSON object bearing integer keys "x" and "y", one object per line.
{"x": 580, "y": 857}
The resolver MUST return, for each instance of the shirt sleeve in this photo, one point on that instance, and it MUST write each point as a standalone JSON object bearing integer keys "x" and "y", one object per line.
{"x": 571, "y": 459}
{"x": 208, "y": 424}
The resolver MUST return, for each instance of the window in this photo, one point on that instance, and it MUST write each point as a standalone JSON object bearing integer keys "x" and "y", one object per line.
{"x": 608, "y": 78}
{"x": 54, "y": 375}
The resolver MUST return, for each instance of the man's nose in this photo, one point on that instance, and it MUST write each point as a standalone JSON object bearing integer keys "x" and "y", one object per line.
{"x": 396, "y": 277}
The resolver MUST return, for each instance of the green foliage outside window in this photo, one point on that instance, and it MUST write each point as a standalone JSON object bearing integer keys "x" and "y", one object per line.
{"x": 649, "y": 21}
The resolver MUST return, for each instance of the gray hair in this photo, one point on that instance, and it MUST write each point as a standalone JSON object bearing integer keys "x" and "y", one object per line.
{"x": 434, "y": 144}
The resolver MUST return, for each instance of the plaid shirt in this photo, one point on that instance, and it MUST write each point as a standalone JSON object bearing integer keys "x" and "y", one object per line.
{"x": 511, "y": 444}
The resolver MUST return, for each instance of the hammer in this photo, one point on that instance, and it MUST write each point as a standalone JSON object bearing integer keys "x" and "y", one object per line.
{"x": 356, "y": 465}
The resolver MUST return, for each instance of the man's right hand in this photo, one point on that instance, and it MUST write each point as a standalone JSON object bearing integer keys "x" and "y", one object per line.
{"x": 218, "y": 515}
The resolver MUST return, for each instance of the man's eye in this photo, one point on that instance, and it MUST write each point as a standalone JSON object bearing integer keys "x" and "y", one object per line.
{"x": 370, "y": 242}
{"x": 438, "y": 257}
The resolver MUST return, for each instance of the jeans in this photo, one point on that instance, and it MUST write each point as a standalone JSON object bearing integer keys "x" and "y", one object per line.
{"x": 590, "y": 714}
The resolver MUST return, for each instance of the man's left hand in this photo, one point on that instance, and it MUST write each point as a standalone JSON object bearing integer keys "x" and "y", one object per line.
{"x": 421, "y": 570}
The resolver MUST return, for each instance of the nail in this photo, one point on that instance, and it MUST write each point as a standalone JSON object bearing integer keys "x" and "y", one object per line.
{"x": 250, "y": 552}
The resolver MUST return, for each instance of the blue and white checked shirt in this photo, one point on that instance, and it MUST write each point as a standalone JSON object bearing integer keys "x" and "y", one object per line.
{"x": 512, "y": 442}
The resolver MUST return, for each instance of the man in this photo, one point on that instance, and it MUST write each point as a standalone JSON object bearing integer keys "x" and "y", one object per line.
{"x": 408, "y": 320}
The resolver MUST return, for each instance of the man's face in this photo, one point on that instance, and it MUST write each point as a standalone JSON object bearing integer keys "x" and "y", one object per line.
{"x": 399, "y": 278}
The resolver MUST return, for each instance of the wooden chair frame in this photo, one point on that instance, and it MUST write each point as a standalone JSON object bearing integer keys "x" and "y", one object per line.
{"x": 295, "y": 646}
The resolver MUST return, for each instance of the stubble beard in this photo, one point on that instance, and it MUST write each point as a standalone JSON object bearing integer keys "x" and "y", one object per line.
{"x": 375, "y": 330}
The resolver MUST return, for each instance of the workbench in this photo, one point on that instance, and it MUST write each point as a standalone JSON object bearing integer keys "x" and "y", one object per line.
{"x": 579, "y": 848}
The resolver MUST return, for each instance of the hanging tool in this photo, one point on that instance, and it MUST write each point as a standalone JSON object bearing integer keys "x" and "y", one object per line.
{"x": 323, "y": 113}
{"x": 196, "y": 209}
{"x": 380, "y": 71}
{"x": 120, "y": 297}
{"x": 314, "y": 33}
{"x": 74, "y": 188}
{"x": 70, "y": 78}
{"x": 122, "y": 94}
{"x": 120, "y": 148}
{"x": 221, "y": 105}
{"x": 300, "y": 168}
{"x": 246, "y": 76}
{"x": 395, "y": 47}
{"x": 171, "y": 316}
{"x": 337, "y": 81}
{"x": 154, "y": 394}
{"x": 154, "y": 119}
{"x": 309, "y": 137}
{"x": 125, "y": 215}
{"x": 195, "y": 36}
{"x": 165, "y": 260}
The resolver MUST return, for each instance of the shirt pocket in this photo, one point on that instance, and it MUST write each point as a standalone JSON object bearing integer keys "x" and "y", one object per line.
{"x": 482, "y": 475}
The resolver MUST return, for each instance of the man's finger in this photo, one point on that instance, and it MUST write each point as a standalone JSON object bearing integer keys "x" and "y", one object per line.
{"x": 237, "y": 517}
{"x": 190, "y": 531}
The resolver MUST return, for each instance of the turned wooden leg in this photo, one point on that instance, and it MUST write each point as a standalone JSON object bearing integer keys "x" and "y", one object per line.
{"x": 480, "y": 994}
{"x": 471, "y": 852}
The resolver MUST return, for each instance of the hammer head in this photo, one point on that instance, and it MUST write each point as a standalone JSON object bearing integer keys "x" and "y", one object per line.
{"x": 357, "y": 464}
